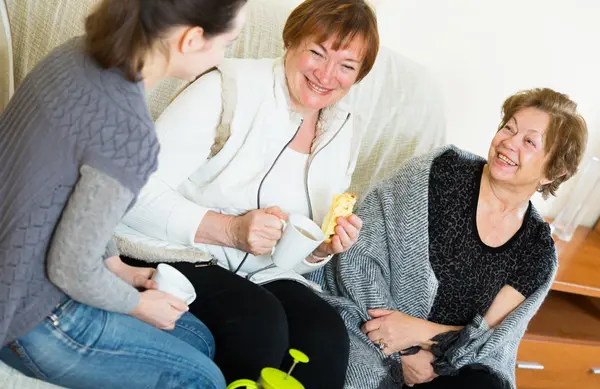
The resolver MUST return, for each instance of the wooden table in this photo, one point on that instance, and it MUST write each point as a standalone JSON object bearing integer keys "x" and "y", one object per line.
{"x": 561, "y": 348}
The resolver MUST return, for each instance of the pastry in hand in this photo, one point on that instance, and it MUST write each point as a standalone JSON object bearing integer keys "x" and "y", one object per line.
{"x": 342, "y": 205}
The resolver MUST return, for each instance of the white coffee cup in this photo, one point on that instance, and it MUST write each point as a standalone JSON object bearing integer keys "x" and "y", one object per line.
{"x": 173, "y": 282}
{"x": 300, "y": 237}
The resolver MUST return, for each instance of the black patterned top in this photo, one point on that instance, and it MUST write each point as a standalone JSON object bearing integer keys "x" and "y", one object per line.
{"x": 470, "y": 273}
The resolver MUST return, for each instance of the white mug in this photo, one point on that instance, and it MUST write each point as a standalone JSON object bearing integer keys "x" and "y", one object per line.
{"x": 300, "y": 237}
{"x": 173, "y": 282}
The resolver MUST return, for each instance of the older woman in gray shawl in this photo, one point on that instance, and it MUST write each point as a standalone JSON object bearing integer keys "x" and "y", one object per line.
{"x": 453, "y": 259}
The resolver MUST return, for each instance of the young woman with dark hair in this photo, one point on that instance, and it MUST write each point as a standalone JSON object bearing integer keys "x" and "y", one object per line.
{"x": 77, "y": 143}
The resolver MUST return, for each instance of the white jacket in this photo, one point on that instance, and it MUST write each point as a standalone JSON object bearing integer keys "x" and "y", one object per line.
{"x": 243, "y": 108}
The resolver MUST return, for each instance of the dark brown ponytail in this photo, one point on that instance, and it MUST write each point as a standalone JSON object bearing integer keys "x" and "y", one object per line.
{"x": 119, "y": 33}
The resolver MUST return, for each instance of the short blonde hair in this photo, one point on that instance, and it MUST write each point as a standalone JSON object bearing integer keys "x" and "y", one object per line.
{"x": 565, "y": 138}
{"x": 344, "y": 19}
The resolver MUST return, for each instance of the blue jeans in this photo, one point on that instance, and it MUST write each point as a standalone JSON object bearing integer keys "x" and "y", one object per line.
{"x": 83, "y": 347}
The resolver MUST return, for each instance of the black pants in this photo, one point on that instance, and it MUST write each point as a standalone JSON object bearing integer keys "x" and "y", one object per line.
{"x": 254, "y": 326}
{"x": 470, "y": 377}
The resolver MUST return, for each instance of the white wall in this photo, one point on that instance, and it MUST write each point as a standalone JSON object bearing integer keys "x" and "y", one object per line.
{"x": 482, "y": 51}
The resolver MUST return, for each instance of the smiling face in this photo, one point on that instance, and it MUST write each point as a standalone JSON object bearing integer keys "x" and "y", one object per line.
{"x": 517, "y": 154}
{"x": 319, "y": 76}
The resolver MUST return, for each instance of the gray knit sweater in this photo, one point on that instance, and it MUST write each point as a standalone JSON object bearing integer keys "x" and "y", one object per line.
{"x": 76, "y": 145}
{"x": 389, "y": 268}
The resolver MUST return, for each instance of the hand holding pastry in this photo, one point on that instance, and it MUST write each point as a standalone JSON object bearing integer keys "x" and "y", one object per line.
{"x": 341, "y": 206}
{"x": 341, "y": 227}
{"x": 346, "y": 234}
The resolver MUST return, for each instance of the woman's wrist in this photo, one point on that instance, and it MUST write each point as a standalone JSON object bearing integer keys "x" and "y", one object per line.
{"x": 114, "y": 264}
{"x": 315, "y": 257}
{"x": 434, "y": 329}
{"x": 120, "y": 269}
{"x": 216, "y": 229}
{"x": 429, "y": 331}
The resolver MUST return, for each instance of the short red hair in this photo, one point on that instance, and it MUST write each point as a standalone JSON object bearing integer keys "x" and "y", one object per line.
{"x": 344, "y": 19}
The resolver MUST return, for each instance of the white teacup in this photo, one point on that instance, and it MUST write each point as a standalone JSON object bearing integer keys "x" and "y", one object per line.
{"x": 173, "y": 282}
{"x": 301, "y": 236}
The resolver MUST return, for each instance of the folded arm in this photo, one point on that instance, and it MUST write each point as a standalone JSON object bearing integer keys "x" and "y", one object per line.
{"x": 505, "y": 302}
{"x": 400, "y": 331}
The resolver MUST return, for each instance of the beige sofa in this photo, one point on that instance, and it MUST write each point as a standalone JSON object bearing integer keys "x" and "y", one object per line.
{"x": 399, "y": 108}
{"x": 6, "y": 58}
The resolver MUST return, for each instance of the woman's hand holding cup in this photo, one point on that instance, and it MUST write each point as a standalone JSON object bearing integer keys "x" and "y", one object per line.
{"x": 256, "y": 232}
{"x": 164, "y": 306}
{"x": 159, "y": 309}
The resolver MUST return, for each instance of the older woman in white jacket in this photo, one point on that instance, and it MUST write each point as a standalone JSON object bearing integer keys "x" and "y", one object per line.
{"x": 241, "y": 148}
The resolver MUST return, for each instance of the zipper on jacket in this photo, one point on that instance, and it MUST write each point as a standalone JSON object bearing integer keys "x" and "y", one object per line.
{"x": 310, "y": 210}
{"x": 260, "y": 187}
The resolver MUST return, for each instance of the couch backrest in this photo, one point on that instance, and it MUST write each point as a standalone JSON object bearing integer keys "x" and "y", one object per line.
{"x": 398, "y": 110}
{"x": 40, "y": 26}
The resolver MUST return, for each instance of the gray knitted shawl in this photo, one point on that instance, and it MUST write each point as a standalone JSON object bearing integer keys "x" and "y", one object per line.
{"x": 389, "y": 267}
